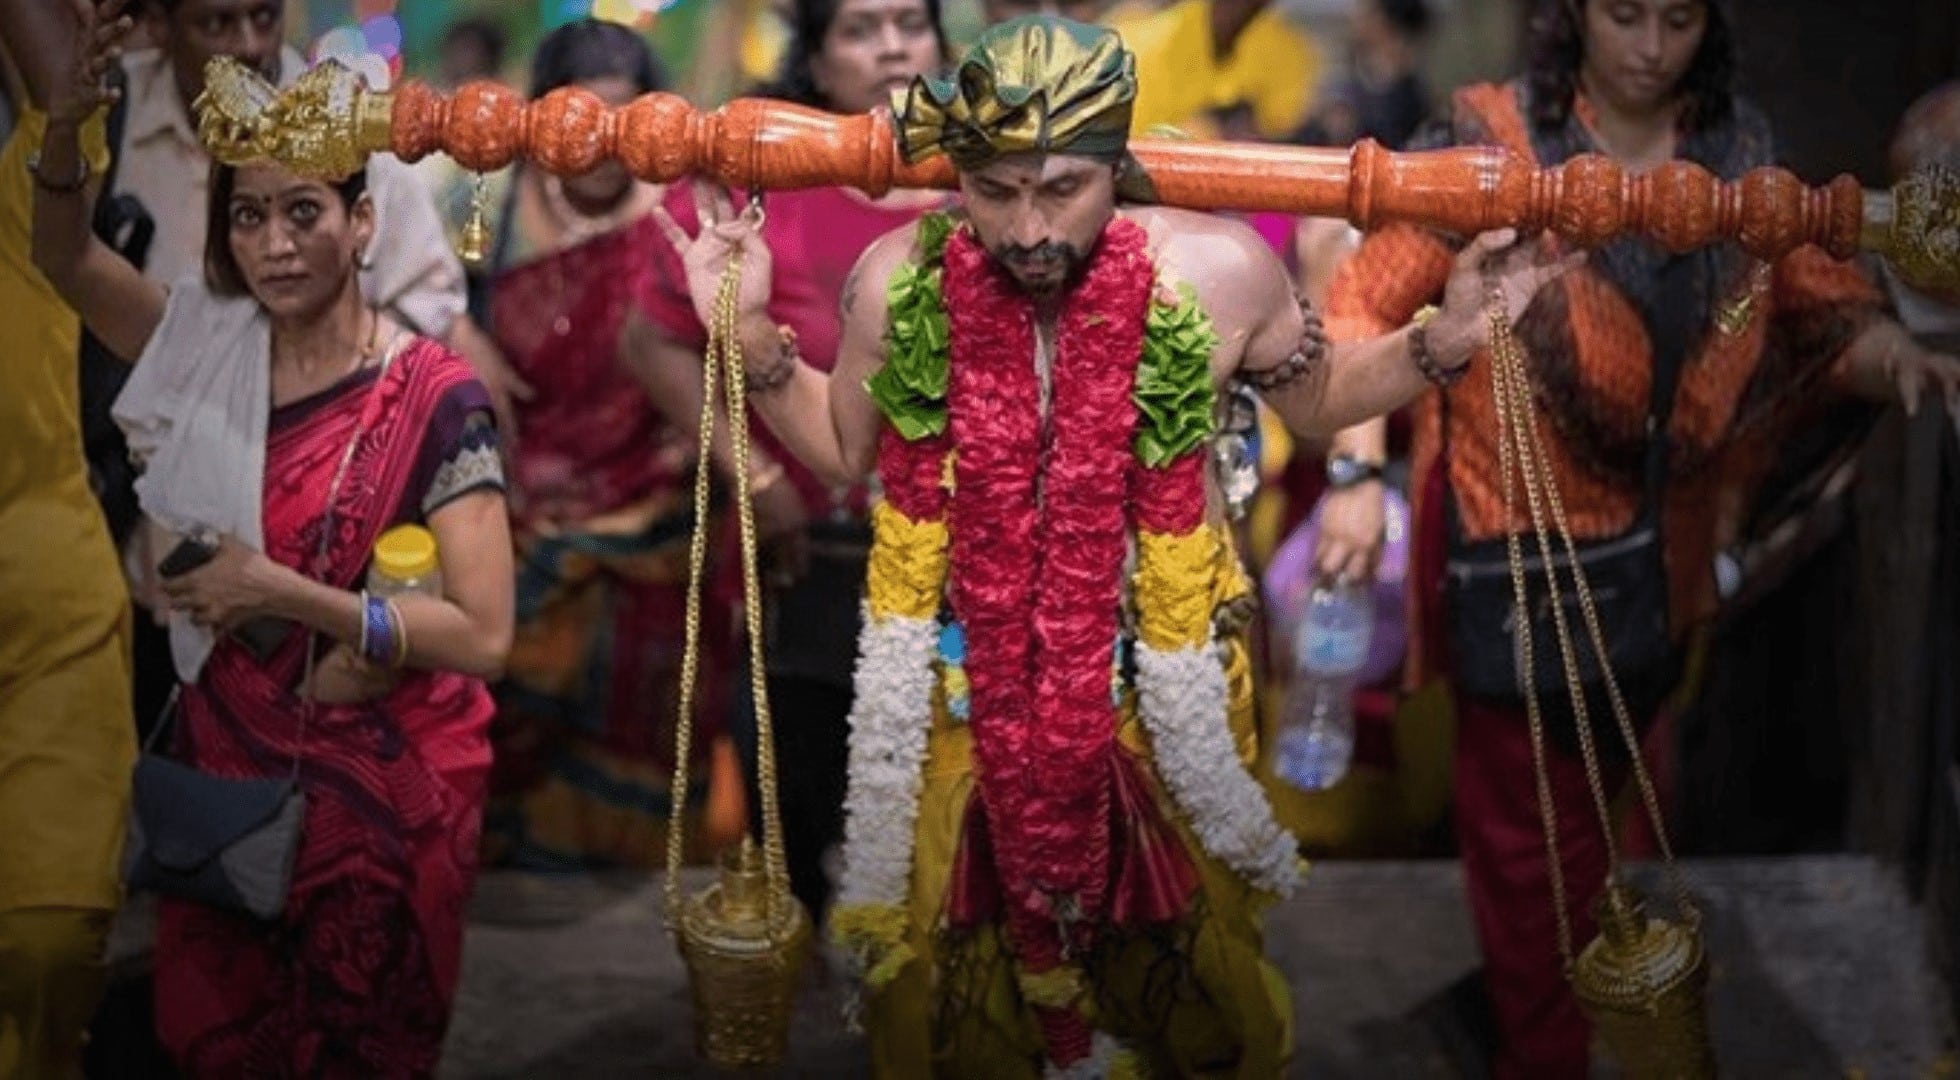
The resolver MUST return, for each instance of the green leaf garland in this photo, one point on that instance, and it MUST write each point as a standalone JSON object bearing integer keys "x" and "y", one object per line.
{"x": 1173, "y": 391}
{"x": 911, "y": 388}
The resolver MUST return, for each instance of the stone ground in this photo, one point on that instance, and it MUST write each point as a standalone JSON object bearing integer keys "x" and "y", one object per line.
{"x": 1819, "y": 970}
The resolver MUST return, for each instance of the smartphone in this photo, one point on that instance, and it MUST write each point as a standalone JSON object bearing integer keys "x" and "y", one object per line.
{"x": 190, "y": 553}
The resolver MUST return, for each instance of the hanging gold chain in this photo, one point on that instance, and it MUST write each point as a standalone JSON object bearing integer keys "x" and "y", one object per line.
{"x": 775, "y": 866}
{"x": 1500, "y": 386}
{"x": 722, "y": 373}
{"x": 1518, "y": 432}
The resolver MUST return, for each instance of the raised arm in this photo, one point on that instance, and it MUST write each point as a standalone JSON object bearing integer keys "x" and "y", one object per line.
{"x": 1371, "y": 377}
{"x": 113, "y": 299}
{"x": 827, "y": 421}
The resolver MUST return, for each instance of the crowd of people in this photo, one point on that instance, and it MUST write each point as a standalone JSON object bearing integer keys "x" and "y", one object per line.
{"x": 227, "y": 386}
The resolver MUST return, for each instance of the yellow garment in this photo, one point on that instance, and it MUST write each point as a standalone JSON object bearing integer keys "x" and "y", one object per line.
{"x": 66, "y": 732}
{"x": 957, "y": 1009}
{"x": 1273, "y": 67}
{"x": 51, "y": 978}
{"x": 764, "y": 38}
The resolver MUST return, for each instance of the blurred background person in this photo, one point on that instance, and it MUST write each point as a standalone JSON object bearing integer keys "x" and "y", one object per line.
{"x": 1230, "y": 69}
{"x": 66, "y": 741}
{"x": 472, "y": 49}
{"x": 601, "y": 509}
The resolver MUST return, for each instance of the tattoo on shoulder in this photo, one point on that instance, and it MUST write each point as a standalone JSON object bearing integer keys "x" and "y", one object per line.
{"x": 849, "y": 299}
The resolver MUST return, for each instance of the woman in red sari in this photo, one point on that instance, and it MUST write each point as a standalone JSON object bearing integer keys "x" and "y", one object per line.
{"x": 273, "y": 407}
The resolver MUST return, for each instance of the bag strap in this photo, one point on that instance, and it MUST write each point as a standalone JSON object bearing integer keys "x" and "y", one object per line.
{"x": 165, "y": 716}
{"x": 1669, "y": 336}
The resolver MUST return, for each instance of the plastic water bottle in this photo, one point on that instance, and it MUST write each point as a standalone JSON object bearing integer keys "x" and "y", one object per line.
{"x": 1316, "y": 738}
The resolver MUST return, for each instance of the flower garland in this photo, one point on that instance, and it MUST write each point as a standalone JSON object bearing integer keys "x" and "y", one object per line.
{"x": 1038, "y": 570}
{"x": 1036, "y": 526}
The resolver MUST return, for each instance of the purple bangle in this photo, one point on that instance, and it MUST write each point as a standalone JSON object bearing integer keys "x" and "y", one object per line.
{"x": 378, "y": 637}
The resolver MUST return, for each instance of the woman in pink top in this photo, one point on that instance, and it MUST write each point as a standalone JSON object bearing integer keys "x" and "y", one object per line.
{"x": 847, "y": 56}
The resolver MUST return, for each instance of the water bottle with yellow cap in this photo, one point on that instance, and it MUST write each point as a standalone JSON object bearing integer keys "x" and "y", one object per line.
{"x": 405, "y": 561}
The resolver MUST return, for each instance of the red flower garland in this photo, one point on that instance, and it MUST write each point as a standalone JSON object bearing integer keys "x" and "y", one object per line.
{"x": 912, "y": 473}
{"x": 1037, "y": 575}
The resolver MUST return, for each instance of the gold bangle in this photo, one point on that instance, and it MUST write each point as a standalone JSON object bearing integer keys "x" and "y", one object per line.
{"x": 401, "y": 635}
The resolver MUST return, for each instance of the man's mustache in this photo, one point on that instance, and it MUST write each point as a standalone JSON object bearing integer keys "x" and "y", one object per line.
{"x": 1046, "y": 251}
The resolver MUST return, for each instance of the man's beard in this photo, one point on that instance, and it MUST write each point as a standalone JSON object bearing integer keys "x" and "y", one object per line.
{"x": 1049, "y": 252}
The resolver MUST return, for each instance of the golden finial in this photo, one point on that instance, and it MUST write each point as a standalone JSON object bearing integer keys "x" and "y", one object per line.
{"x": 324, "y": 125}
{"x": 1916, "y": 226}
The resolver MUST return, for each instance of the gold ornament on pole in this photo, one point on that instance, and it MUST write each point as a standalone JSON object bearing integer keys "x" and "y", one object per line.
{"x": 745, "y": 937}
{"x": 473, "y": 247}
{"x": 1642, "y": 982}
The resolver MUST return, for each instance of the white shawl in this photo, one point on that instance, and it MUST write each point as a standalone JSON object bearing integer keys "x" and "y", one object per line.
{"x": 194, "y": 412}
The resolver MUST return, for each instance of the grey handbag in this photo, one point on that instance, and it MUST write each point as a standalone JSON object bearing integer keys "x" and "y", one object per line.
{"x": 223, "y": 842}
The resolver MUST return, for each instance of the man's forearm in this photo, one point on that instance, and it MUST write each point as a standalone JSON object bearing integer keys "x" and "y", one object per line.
{"x": 1358, "y": 382}
{"x": 795, "y": 404}
{"x": 1366, "y": 441}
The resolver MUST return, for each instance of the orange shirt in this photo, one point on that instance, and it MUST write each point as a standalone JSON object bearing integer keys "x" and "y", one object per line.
{"x": 1592, "y": 365}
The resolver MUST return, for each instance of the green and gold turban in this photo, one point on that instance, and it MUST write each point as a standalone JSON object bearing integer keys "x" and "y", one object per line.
{"x": 1037, "y": 83}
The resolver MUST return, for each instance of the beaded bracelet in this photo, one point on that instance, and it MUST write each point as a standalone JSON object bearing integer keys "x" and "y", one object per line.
{"x": 1306, "y": 356}
{"x": 1426, "y": 361}
{"x": 777, "y": 375}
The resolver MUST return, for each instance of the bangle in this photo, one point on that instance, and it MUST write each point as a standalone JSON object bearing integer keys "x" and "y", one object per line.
{"x": 70, "y": 187}
{"x": 776, "y": 375}
{"x": 377, "y": 632}
{"x": 1425, "y": 360}
{"x": 400, "y": 658}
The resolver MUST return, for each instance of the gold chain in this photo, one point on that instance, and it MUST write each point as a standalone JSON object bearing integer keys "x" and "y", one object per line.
{"x": 1501, "y": 360}
{"x": 722, "y": 366}
{"x": 1517, "y": 430}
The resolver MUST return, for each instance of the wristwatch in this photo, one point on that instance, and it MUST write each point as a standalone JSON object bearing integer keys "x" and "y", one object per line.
{"x": 1345, "y": 471}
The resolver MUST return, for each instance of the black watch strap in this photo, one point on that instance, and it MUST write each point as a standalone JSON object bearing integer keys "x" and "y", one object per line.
{"x": 1346, "y": 472}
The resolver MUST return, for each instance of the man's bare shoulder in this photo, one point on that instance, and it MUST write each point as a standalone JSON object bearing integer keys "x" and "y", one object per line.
{"x": 1235, "y": 272}
{"x": 863, "y": 292}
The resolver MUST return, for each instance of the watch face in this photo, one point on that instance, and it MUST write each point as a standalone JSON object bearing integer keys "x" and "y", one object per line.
{"x": 1347, "y": 472}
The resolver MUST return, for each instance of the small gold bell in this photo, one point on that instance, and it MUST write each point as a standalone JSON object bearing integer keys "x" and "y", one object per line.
{"x": 743, "y": 965}
{"x": 1642, "y": 983}
{"x": 473, "y": 247}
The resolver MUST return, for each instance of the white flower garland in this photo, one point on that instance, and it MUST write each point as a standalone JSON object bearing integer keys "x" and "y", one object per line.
{"x": 891, "y": 715}
{"x": 1183, "y": 697}
{"x": 1103, "y": 1050}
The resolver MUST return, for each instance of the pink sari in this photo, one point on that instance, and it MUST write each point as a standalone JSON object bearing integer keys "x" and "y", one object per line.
{"x": 357, "y": 976}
